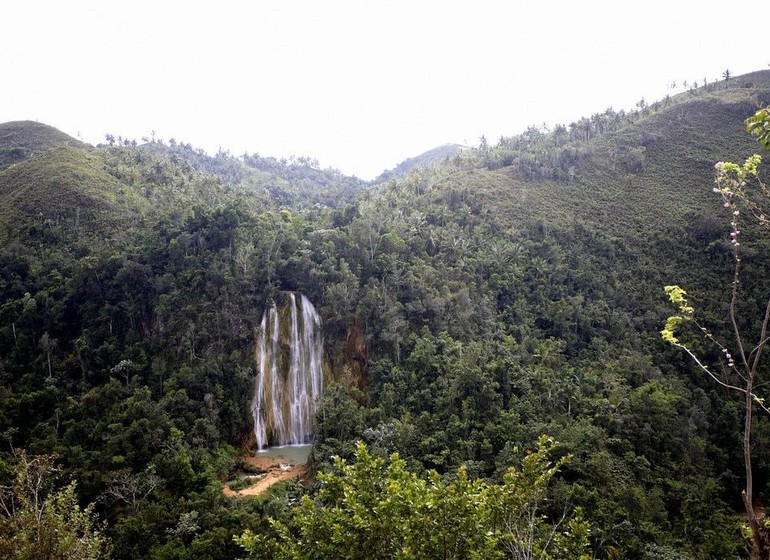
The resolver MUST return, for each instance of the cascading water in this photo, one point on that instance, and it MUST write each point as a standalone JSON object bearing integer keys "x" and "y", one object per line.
{"x": 290, "y": 378}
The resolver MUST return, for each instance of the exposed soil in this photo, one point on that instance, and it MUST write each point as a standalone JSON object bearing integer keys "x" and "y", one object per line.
{"x": 278, "y": 469}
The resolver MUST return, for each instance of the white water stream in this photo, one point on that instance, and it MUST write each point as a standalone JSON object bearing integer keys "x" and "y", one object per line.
{"x": 290, "y": 377}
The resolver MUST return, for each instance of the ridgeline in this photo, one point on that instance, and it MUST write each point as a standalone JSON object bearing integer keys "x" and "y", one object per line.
{"x": 470, "y": 302}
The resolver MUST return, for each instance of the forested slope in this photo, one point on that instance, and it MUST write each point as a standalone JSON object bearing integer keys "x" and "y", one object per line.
{"x": 468, "y": 308}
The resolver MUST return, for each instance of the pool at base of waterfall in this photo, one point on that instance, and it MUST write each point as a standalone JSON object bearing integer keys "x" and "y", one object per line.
{"x": 297, "y": 454}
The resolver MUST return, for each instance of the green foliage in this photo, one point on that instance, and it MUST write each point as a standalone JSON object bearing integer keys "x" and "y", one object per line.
{"x": 516, "y": 506}
{"x": 742, "y": 370}
{"x": 468, "y": 307}
{"x": 43, "y": 523}
{"x": 678, "y": 297}
{"x": 759, "y": 125}
{"x": 376, "y": 508}
{"x": 64, "y": 195}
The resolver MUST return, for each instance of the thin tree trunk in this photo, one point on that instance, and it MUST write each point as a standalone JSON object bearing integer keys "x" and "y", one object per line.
{"x": 759, "y": 544}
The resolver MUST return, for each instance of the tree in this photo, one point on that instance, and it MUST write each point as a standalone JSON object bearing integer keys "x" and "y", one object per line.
{"x": 518, "y": 521}
{"x": 38, "y": 523}
{"x": 132, "y": 489}
{"x": 48, "y": 345}
{"x": 376, "y": 508}
{"x": 743, "y": 193}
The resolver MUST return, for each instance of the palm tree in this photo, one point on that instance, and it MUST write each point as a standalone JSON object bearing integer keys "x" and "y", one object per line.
{"x": 584, "y": 125}
{"x": 597, "y": 123}
{"x": 573, "y": 127}
{"x": 616, "y": 121}
{"x": 559, "y": 133}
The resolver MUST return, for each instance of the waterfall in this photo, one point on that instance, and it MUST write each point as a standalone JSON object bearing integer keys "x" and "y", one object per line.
{"x": 290, "y": 374}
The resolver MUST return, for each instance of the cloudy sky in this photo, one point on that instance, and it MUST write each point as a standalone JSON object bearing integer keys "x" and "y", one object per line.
{"x": 360, "y": 85}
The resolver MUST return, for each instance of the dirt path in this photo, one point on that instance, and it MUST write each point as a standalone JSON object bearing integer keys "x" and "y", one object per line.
{"x": 278, "y": 469}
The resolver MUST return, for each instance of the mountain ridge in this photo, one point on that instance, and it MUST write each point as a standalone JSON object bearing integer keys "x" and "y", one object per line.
{"x": 467, "y": 308}
{"x": 424, "y": 159}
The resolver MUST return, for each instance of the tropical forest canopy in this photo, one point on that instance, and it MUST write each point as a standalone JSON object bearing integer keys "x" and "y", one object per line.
{"x": 491, "y": 320}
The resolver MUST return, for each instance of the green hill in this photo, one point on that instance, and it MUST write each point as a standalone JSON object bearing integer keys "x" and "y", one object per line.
{"x": 467, "y": 306}
{"x": 426, "y": 159}
{"x": 67, "y": 190}
{"x": 648, "y": 168}
{"x": 20, "y": 139}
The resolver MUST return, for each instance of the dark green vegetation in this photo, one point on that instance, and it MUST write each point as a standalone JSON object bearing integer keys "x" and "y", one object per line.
{"x": 375, "y": 508}
{"x": 469, "y": 307}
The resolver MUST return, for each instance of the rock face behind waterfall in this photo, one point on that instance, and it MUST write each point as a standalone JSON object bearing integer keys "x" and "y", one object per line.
{"x": 290, "y": 373}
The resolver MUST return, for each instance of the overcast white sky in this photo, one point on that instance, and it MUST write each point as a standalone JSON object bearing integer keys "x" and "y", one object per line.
{"x": 358, "y": 85}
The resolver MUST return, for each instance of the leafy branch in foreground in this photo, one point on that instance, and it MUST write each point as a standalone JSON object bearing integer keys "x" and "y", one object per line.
{"x": 759, "y": 125}
{"x": 376, "y": 508}
{"x": 742, "y": 365}
{"x": 39, "y": 523}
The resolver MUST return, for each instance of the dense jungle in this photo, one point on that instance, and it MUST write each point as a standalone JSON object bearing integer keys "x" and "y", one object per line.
{"x": 495, "y": 380}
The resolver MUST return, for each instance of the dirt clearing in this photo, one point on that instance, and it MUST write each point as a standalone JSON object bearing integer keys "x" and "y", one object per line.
{"x": 277, "y": 469}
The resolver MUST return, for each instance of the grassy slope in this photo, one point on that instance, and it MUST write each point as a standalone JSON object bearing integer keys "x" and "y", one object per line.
{"x": 680, "y": 145}
{"x": 20, "y": 139}
{"x": 658, "y": 225}
{"x": 66, "y": 187}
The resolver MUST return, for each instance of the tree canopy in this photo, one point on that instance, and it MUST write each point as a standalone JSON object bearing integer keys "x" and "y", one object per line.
{"x": 468, "y": 307}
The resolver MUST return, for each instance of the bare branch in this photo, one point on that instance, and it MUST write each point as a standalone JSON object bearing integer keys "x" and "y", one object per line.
{"x": 707, "y": 370}
{"x": 762, "y": 340}
{"x": 734, "y": 296}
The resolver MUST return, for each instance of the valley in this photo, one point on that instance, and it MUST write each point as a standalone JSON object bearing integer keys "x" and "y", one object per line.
{"x": 468, "y": 342}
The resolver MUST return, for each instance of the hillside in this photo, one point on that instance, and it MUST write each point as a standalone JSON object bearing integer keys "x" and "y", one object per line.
{"x": 297, "y": 182}
{"x": 63, "y": 191}
{"x": 425, "y": 159}
{"x": 20, "y": 139}
{"x": 468, "y": 307}
{"x": 646, "y": 167}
